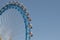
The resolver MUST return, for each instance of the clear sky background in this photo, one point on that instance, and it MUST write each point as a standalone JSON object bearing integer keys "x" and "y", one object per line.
{"x": 45, "y": 16}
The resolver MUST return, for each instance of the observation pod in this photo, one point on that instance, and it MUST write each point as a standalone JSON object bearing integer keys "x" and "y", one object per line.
{"x": 30, "y": 26}
{"x": 22, "y": 9}
{"x": 31, "y": 34}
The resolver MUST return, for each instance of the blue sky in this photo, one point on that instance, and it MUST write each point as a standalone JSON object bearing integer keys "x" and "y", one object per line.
{"x": 45, "y": 16}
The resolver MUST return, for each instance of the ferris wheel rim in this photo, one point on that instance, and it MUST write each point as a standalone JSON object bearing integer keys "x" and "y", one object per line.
{"x": 24, "y": 13}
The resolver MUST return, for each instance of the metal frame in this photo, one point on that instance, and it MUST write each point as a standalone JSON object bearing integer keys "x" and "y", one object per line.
{"x": 25, "y": 14}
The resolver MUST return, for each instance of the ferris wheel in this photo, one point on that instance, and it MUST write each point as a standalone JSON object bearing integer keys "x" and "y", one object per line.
{"x": 25, "y": 14}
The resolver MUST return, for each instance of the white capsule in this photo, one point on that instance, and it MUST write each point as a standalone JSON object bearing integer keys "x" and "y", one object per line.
{"x": 24, "y": 9}
{"x": 21, "y": 4}
{"x": 17, "y": 3}
{"x": 29, "y": 18}
{"x": 27, "y": 13}
{"x": 31, "y": 34}
{"x": 30, "y": 26}
{"x": 13, "y": 2}
{"x": 10, "y": 2}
